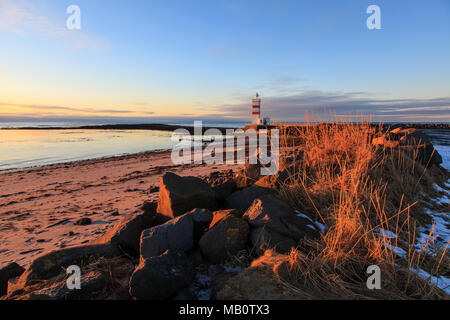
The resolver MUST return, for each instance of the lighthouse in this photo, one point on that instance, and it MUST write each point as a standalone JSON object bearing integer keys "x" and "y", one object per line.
{"x": 256, "y": 114}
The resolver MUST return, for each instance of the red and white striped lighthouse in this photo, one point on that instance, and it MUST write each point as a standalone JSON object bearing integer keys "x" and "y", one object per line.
{"x": 256, "y": 114}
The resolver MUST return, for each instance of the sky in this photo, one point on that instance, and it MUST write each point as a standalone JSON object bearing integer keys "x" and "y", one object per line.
{"x": 185, "y": 60}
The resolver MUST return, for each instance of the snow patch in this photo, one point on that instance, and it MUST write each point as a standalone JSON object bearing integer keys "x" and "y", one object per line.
{"x": 441, "y": 226}
{"x": 322, "y": 228}
{"x": 397, "y": 250}
{"x": 441, "y": 282}
{"x": 444, "y": 151}
{"x": 386, "y": 233}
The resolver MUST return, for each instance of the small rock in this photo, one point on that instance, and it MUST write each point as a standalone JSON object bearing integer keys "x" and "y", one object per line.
{"x": 83, "y": 222}
{"x": 115, "y": 213}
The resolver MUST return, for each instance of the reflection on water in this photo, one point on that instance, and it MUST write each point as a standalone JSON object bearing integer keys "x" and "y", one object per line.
{"x": 25, "y": 148}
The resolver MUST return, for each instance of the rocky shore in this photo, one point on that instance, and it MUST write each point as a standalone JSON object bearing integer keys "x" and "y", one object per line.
{"x": 205, "y": 236}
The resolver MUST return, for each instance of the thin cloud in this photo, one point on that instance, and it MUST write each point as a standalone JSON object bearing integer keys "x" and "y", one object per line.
{"x": 24, "y": 18}
{"x": 342, "y": 103}
{"x": 79, "y": 110}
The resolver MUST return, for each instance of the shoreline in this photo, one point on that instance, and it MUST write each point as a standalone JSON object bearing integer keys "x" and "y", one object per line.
{"x": 151, "y": 127}
{"x": 170, "y": 127}
{"x": 40, "y": 206}
{"x": 84, "y": 161}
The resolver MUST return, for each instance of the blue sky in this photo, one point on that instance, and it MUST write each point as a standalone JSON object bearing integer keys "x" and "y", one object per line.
{"x": 162, "y": 60}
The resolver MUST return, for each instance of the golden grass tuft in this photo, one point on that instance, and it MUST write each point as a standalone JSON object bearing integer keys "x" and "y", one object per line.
{"x": 358, "y": 190}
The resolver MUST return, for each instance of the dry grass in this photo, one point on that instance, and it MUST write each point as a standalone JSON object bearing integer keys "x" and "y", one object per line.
{"x": 356, "y": 190}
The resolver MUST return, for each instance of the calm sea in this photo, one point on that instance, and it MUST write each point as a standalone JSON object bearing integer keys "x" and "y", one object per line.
{"x": 28, "y": 148}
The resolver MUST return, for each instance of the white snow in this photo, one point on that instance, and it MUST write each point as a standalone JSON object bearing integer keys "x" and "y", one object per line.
{"x": 397, "y": 250}
{"x": 441, "y": 226}
{"x": 387, "y": 233}
{"x": 302, "y": 215}
{"x": 441, "y": 282}
{"x": 322, "y": 228}
{"x": 444, "y": 151}
{"x": 444, "y": 200}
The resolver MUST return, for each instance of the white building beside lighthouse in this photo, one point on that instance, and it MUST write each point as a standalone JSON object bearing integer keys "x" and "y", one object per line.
{"x": 256, "y": 110}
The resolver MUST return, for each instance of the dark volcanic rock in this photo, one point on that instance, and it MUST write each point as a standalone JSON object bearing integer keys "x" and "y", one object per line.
{"x": 222, "y": 214}
{"x": 92, "y": 284}
{"x": 179, "y": 195}
{"x": 263, "y": 239}
{"x": 275, "y": 225}
{"x": 161, "y": 277}
{"x": 12, "y": 270}
{"x": 127, "y": 232}
{"x": 224, "y": 190}
{"x": 272, "y": 213}
{"x": 242, "y": 199}
{"x": 51, "y": 264}
{"x": 412, "y": 142}
{"x": 178, "y": 234}
{"x": 225, "y": 239}
{"x": 222, "y": 184}
{"x": 83, "y": 222}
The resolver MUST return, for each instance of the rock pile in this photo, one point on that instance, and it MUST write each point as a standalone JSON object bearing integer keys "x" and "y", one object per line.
{"x": 196, "y": 224}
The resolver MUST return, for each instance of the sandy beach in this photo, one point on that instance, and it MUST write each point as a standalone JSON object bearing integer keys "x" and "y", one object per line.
{"x": 40, "y": 207}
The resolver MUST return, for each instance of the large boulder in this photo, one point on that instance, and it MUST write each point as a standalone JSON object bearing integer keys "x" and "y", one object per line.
{"x": 127, "y": 232}
{"x": 123, "y": 237}
{"x": 426, "y": 155}
{"x": 275, "y": 224}
{"x": 51, "y": 264}
{"x": 92, "y": 284}
{"x": 225, "y": 239}
{"x": 161, "y": 277}
{"x": 222, "y": 214}
{"x": 10, "y": 271}
{"x": 273, "y": 213}
{"x": 414, "y": 143}
{"x": 222, "y": 183}
{"x": 179, "y": 195}
{"x": 178, "y": 234}
{"x": 259, "y": 281}
{"x": 223, "y": 190}
{"x": 263, "y": 239}
{"x": 242, "y": 199}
